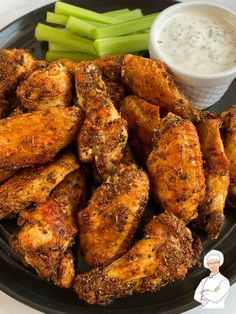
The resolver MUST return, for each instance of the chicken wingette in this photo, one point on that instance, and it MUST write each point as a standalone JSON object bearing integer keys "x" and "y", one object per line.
{"x": 151, "y": 81}
{"x": 35, "y": 138}
{"x": 165, "y": 254}
{"x": 216, "y": 169}
{"x": 15, "y": 65}
{"x": 33, "y": 185}
{"x": 229, "y": 125}
{"x": 108, "y": 224}
{"x": 47, "y": 87}
{"x": 143, "y": 120}
{"x": 103, "y": 135}
{"x": 175, "y": 168}
{"x": 48, "y": 232}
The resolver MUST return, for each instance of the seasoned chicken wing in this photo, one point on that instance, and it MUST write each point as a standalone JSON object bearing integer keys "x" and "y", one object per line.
{"x": 151, "y": 80}
{"x": 216, "y": 169}
{"x": 6, "y": 174}
{"x": 108, "y": 224}
{"x": 103, "y": 135}
{"x": 165, "y": 254}
{"x": 15, "y": 65}
{"x": 229, "y": 125}
{"x": 143, "y": 120}
{"x": 33, "y": 185}
{"x": 47, "y": 87}
{"x": 35, "y": 138}
{"x": 175, "y": 168}
{"x": 48, "y": 231}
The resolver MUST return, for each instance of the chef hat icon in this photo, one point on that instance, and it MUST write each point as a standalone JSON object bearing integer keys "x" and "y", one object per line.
{"x": 213, "y": 255}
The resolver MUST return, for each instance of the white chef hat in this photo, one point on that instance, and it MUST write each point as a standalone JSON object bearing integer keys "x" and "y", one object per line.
{"x": 213, "y": 255}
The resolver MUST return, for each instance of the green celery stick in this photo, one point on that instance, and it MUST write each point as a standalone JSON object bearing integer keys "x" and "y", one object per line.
{"x": 131, "y": 15}
{"x": 53, "y": 55}
{"x": 69, "y": 9}
{"x": 53, "y": 46}
{"x": 122, "y": 44}
{"x": 48, "y": 33}
{"x": 56, "y": 18}
{"x": 81, "y": 27}
{"x": 117, "y": 13}
{"x": 124, "y": 28}
{"x": 95, "y": 23}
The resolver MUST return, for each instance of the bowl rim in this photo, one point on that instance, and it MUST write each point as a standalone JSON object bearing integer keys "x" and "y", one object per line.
{"x": 153, "y": 44}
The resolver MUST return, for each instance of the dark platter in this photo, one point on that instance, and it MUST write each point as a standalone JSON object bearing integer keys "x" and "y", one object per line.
{"x": 22, "y": 284}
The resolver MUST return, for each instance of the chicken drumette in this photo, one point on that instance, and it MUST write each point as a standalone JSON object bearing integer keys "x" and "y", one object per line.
{"x": 165, "y": 254}
{"x": 175, "y": 168}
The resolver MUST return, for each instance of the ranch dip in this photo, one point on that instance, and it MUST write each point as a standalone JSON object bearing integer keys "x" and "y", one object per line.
{"x": 199, "y": 42}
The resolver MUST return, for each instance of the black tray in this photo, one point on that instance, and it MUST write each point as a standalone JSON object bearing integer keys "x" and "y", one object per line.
{"x": 22, "y": 284}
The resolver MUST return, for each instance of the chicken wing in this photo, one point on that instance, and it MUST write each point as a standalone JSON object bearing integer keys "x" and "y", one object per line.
{"x": 47, "y": 87}
{"x": 175, "y": 168}
{"x": 33, "y": 185}
{"x": 216, "y": 169}
{"x": 143, "y": 120}
{"x": 35, "y": 138}
{"x": 108, "y": 224}
{"x": 15, "y": 65}
{"x": 151, "y": 81}
{"x": 229, "y": 125}
{"x": 6, "y": 174}
{"x": 48, "y": 231}
{"x": 165, "y": 254}
{"x": 103, "y": 135}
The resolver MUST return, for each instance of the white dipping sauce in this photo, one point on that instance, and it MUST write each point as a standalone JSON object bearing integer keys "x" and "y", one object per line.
{"x": 199, "y": 42}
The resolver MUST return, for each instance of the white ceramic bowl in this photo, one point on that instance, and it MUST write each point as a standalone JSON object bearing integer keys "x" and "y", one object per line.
{"x": 203, "y": 89}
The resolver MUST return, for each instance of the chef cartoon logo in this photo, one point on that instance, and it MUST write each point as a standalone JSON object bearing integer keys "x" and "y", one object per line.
{"x": 213, "y": 290}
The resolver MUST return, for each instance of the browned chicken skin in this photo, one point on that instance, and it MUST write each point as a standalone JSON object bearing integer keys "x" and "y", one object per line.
{"x": 35, "y": 138}
{"x": 143, "y": 120}
{"x": 151, "y": 81}
{"x": 103, "y": 135}
{"x": 48, "y": 231}
{"x": 6, "y": 174}
{"x": 15, "y": 65}
{"x": 165, "y": 254}
{"x": 47, "y": 87}
{"x": 33, "y": 185}
{"x": 108, "y": 224}
{"x": 229, "y": 125}
{"x": 175, "y": 168}
{"x": 216, "y": 169}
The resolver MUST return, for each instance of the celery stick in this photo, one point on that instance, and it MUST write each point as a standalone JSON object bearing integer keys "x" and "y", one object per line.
{"x": 81, "y": 27}
{"x": 117, "y": 13}
{"x": 69, "y": 9}
{"x": 56, "y": 18}
{"x": 131, "y": 15}
{"x": 53, "y": 46}
{"x": 122, "y": 44}
{"x": 48, "y": 33}
{"x": 124, "y": 28}
{"x": 95, "y": 23}
{"x": 53, "y": 55}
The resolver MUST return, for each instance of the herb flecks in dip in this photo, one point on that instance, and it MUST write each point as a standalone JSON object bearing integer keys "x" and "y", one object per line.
{"x": 200, "y": 42}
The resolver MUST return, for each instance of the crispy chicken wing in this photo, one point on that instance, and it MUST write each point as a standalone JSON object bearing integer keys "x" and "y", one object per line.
{"x": 229, "y": 125}
{"x": 33, "y": 185}
{"x": 143, "y": 120}
{"x": 103, "y": 135}
{"x": 15, "y": 65}
{"x": 35, "y": 138}
{"x": 47, "y": 87}
{"x": 48, "y": 231}
{"x": 175, "y": 168}
{"x": 108, "y": 224}
{"x": 216, "y": 169}
{"x": 151, "y": 80}
{"x": 165, "y": 254}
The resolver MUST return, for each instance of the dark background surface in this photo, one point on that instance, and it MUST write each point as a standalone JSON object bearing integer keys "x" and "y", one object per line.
{"x": 22, "y": 283}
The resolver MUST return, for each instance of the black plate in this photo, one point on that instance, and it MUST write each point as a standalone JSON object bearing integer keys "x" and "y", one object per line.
{"x": 22, "y": 283}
